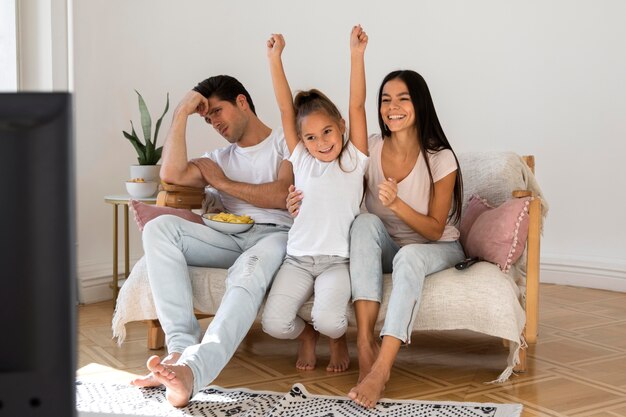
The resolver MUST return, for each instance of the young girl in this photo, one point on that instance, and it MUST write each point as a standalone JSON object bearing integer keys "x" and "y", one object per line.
{"x": 330, "y": 172}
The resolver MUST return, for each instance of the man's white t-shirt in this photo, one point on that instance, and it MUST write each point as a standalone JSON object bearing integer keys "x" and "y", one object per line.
{"x": 256, "y": 164}
{"x": 414, "y": 190}
{"x": 332, "y": 196}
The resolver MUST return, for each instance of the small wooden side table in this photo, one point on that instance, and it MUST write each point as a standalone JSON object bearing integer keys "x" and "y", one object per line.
{"x": 117, "y": 200}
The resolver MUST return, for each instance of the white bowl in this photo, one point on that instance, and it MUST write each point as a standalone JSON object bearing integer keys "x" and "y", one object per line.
{"x": 224, "y": 227}
{"x": 141, "y": 189}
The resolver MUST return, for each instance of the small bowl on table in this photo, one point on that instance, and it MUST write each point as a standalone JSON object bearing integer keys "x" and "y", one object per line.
{"x": 141, "y": 189}
{"x": 225, "y": 227}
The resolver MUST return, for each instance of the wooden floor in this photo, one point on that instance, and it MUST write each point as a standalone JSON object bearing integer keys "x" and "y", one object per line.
{"x": 577, "y": 368}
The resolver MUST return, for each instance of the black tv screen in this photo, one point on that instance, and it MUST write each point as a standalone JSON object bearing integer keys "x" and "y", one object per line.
{"x": 37, "y": 284}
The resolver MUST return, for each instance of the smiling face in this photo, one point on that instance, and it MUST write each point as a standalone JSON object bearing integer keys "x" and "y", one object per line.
{"x": 228, "y": 119}
{"x": 322, "y": 135}
{"x": 396, "y": 107}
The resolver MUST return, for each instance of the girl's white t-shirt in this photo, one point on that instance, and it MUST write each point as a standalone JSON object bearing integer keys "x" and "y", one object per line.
{"x": 332, "y": 197}
{"x": 414, "y": 190}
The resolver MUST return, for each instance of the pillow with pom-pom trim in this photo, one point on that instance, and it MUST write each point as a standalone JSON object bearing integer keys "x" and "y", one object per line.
{"x": 495, "y": 234}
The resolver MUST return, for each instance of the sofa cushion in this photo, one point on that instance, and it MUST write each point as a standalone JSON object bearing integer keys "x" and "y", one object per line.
{"x": 496, "y": 235}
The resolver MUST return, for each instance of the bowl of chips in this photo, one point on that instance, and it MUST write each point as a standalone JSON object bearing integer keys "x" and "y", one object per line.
{"x": 227, "y": 222}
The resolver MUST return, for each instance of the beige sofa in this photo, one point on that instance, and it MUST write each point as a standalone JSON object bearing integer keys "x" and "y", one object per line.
{"x": 481, "y": 298}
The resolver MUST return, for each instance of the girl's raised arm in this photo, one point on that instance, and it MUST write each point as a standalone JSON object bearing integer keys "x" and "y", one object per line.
{"x": 358, "y": 121}
{"x": 275, "y": 46}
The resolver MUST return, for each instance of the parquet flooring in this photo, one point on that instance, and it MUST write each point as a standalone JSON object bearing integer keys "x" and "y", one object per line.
{"x": 577, "y": 368}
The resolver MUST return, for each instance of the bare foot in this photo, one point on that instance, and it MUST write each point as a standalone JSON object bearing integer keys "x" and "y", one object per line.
{"x": 178, "y": 380}
{"x": 370, "y": 389}
{"x": 339, "y": 357}
{"x": 368, "y": 352}
{"x": 148, "y": 380}
{"x": 306, "y": 350}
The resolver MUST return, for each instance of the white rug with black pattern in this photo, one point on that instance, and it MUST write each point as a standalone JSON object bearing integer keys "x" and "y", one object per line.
{"x": 101, "y": 399}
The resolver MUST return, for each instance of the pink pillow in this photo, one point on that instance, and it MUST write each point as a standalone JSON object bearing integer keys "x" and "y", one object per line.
{"x": 496, "y": 235}
{"x": 146, "y": 212}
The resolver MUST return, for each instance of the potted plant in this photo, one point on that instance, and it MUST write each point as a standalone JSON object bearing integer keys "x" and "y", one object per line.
{"x": 148, "y": 155}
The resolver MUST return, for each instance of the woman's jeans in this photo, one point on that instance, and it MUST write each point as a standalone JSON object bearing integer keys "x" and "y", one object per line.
{"x": 373, "y": 252}
{"x": 171, "y": 244}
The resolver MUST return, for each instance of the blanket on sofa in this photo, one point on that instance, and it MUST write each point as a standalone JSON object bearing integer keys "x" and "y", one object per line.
{"x": 492, "y": 175}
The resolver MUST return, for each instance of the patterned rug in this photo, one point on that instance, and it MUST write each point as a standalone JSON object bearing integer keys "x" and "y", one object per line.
{"x": 96, "y": 398}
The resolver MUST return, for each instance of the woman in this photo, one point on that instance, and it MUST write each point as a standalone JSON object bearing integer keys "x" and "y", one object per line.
{"x": 414, "y": 197}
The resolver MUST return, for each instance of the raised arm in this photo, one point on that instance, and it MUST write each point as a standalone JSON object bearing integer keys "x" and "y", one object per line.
{"x": 175, "y": 167}
{"x": 275, "y": 46}
{"x": 358, "y": 121}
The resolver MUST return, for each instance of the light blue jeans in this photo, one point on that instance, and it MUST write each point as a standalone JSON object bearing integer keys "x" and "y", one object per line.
{"x": 299, "y": 277}
{"x": 253, "y": 257}
{"x": 373, "y": 252}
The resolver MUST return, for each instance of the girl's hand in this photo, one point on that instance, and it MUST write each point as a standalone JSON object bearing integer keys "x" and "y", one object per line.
{"x": 294, "y": 200}
{"x": 275, "y": 45}
{"x": 358, "y": 40}
{"x": 388, "y": 191}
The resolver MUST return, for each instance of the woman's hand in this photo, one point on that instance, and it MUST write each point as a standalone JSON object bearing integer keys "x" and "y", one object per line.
{"x": 294, "y": 200}
{"x": 388, "y": 192}
{"x": 275, "y": 45}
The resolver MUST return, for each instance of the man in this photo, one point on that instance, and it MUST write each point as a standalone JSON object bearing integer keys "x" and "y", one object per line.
{"x": 252, "y": 176}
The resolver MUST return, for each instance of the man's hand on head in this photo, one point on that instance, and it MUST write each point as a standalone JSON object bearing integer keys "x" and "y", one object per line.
{"x": 193, "y": 102}
{"x": 211, "y": 172}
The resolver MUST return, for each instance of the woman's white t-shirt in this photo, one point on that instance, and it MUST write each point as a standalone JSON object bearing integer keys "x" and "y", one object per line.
{"x": 414, "y": 190}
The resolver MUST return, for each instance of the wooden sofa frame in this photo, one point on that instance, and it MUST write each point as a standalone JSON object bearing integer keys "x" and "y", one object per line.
{"x": 192, "y": 198}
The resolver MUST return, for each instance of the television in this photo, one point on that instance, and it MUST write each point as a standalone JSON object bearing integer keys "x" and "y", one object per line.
{"x": 37, "y": 255}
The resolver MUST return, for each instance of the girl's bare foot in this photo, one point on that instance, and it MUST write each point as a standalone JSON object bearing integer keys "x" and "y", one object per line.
{"x": 149, "y": 380}
{"x": 339, "y": 357}
{"x": 178, "y": 380}
{"x": 368, "y": 352}
{"x": 370, "y": 389}
{"x": 306, "y": 349}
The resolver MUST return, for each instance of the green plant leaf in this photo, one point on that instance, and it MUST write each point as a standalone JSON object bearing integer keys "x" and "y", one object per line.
{"x": 158, "y": 123}
{"x": 146, "y": 120}
{"x": 134, "y": 140}
{"x": 157, "y": 154}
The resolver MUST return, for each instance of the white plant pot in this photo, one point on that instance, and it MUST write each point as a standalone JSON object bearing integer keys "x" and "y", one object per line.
{"x": 147, "y": 172}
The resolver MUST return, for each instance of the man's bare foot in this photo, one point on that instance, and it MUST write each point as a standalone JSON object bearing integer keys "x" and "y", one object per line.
{"x": 306, "y": 349}
{"x": 178, "y": 380}
{"x": 339, "y": 356}
{"x": 148, "y": 380}
{"x": 370, "y": 389}
{"x": 368, "y": 352}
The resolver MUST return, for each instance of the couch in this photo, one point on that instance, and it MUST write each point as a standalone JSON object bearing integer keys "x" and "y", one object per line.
{"x": 482, "y": 298}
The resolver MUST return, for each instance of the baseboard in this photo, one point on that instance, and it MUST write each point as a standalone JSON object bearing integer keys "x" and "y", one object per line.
{"x": 599, "y": 273}
{"x": 94, "y": 279}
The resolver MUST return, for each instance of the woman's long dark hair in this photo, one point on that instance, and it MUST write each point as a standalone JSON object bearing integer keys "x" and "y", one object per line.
{"x": 430, "y": 134}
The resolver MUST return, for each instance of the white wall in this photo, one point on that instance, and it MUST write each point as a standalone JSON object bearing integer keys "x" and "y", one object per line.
{"x": 540, "y": 77}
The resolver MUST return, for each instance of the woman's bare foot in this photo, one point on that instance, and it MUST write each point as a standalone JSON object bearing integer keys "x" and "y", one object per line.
{"x": 306, "y": 349}
{"x": 148, "y": 380}
{"x": 178, "y": 380}
{"x": 368, "y": 352}
{"x": 339, "y": 356}
{"x": 370, "y": 389}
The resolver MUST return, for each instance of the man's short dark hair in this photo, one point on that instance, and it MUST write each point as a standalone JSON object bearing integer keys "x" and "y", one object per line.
{"x": 224, "y": 87}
